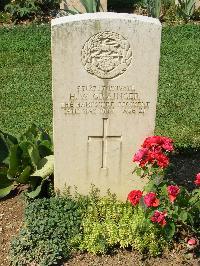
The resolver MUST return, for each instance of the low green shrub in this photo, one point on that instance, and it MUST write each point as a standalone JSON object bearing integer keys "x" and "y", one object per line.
{"x": 21, "y": 9}
{"x": 47, "y": 236}
{"x": 5, "y": 17}
{"x": 108, "y": 223}
{"x": 55, "y": 227}
{"x": 30, "y": 9}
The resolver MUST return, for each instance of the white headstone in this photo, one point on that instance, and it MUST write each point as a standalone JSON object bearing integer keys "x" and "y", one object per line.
{"x": 105, "y": 79}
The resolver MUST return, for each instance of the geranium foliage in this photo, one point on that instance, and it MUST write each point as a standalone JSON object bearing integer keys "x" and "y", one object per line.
{"x": 164, "y": 202}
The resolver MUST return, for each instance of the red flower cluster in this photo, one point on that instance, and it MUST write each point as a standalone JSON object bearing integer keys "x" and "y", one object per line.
{"x": 140, "y": 155}
{"x": 152, "y": 151}
{"x": 134, "y": 197}
{"x": 173, "y": 192}
{"x": 158, "y": 142}
{"x": 150, "y": 200}
{"x": 197, "y": 180}
{"x": 159, "y": 217}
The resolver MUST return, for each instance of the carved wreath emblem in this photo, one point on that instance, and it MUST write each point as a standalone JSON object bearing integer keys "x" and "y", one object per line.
{"x": 106, "y": 55}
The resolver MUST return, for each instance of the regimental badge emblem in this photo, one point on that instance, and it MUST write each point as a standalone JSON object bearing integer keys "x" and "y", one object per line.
{"x": 106, "y": 55}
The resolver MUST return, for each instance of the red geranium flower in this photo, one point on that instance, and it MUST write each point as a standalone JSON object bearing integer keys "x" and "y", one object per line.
{"x": 197, "y": 180}
{"x": 173, "y": 192}
{"x": 140, "y": 155}
{"x": 134, "y": 197}
{"x": 156, "y": 141}
{"x": 151, "y": 142}
{"x": 167, "y": 144}
{"x": 159, "y": 217}
{"x": 143, "y": 163}
{"x": 153, "y": 151}
{"x": 162, "y": 160}
{"x": 159, "y": 158}
{"x": 150, "y": 200}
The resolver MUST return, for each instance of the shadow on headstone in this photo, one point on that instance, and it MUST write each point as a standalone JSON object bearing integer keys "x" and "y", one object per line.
{"x": 185, "y": 165}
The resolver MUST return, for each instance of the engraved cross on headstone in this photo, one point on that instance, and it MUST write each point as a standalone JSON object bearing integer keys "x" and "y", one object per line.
{"x": 104, "y": 140}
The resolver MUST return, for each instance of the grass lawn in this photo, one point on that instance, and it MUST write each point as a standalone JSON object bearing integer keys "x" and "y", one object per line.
{"x": 25, "y": 82}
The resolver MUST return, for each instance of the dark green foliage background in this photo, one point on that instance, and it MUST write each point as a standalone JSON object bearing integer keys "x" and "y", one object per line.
{"x": 3, "y": 3}
{"x": 117, "y": 4}
{"x": 25, "y": 81}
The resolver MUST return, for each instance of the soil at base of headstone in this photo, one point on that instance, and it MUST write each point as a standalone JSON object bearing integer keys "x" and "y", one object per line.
{"x": 11, "y": 215}
{"x": 132, "y": 258}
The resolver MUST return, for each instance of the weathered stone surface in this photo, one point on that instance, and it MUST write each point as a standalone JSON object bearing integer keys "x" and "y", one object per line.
{"x": 105, "y": 77}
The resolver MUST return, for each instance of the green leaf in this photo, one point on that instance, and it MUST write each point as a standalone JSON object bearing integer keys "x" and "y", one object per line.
{"x": 73, "y": 12}
{"x": 91, "y": 6}
{"x": 88, "y": 5}
{"x": 34, "y": 181}
{"x": 6, "y": 141}
{"x": 5, "y": 191}
{"x": 138, "y": 171}
{"x": 24, "y": 176}
{"x": 31, "y": 133}
{"x": 45, "y": 148}
{"x": 185, "y": 9}
{"x": 195, "y": 196}
{"x": 170, "y": 229}
{"x": 44, "y": 136}
{"x": 164, "y": 190}
{"x": 34, "y": 193}
{"x": 10, "y": 139}
{"x": 6, "y": 185}
{"x": 150, "y": 187}
{"x": 4, "y": 151}
{"x": 191, "y": 219}
{"x": 4, "y": 181}
{"x": 14, "y": 161}
{"x": 45, "y": 167}
{"x": 183, "y": 216}
{"x": 34, "y": 155}
{"x": 3, "y": 171}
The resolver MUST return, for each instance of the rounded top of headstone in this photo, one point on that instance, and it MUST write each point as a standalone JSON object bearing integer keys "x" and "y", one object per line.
{"x": 104, "y": 15}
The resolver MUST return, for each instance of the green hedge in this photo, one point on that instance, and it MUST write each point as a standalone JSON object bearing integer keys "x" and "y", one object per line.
{"x": 179, "y": 93}
{"x": 25, "y": 78}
